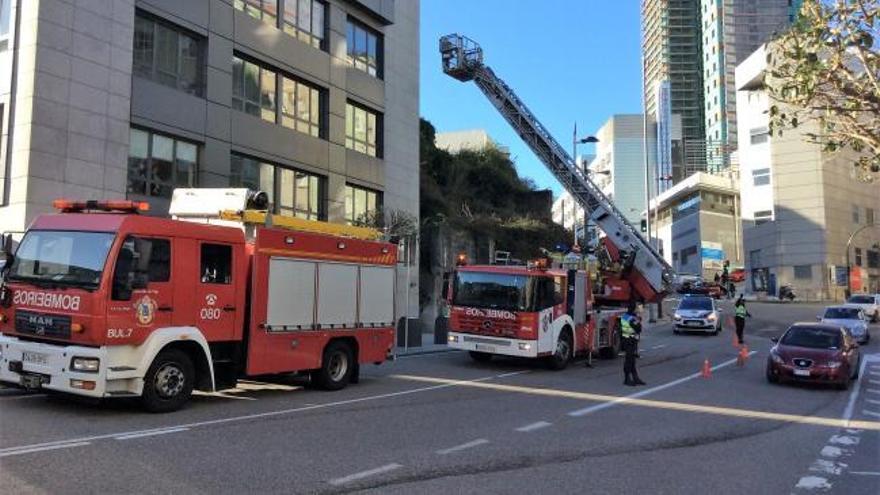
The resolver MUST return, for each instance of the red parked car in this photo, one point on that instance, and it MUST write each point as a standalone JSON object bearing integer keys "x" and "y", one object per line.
{"x": 812, "y": 352}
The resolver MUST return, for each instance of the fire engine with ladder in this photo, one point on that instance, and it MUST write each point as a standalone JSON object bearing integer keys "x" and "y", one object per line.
{"x": 101, "y": 301}
{"x": 538, "y": 310}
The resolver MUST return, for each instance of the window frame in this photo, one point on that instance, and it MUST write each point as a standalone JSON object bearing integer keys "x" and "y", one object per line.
{"x": 276, "y": 112}
{"x": 761, "y": 175}
{"x": 230, "y": 271}
{"x": 148, "y": 179}
{"x": 280, "y": 19}
{"x": 359, "y": 61}
{"x": 351, "y": 210}
{"x": 133, "y": 269}
{"x": 351, "y": 139}
{"x": 153, "y": 72}
{"x": 317, "y": 189}
{"x": 799, "y": 272}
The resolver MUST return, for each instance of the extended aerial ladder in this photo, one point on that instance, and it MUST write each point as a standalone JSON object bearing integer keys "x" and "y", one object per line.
{"x": 646, "y": 270}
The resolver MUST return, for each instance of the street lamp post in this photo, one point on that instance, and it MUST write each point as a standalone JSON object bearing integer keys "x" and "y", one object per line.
{"x": 574, "y": 150}
{"x": 848, "y": 266}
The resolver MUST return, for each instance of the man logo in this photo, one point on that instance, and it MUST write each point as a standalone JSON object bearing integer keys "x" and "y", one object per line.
{"x": 487, "y": 324}
{"x": 211, "y": 299}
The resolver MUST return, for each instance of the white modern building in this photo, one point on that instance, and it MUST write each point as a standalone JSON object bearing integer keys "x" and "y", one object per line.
{"x": 468, "y": 139}
{"x": 800, "y": 204}
{"x": 619, "y": 166}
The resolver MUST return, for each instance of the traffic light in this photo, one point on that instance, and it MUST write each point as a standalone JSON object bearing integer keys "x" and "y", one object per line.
{"x": 644, "y": 225}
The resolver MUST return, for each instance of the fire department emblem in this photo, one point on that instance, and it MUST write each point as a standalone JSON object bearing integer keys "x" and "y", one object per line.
{"x": 211, "y": 299}
{"x": 145, "y": 310}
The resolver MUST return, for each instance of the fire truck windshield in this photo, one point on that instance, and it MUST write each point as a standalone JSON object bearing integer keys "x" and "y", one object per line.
{"x": 492, "y": 290}
{"x": 47, "y": 257}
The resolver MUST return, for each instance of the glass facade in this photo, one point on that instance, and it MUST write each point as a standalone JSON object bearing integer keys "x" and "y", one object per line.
{"x": 291, "y": 192}
{"x": 255, "y": 90}
{"x": 167, "y": 54}
{"x": 360, "y": 201}
{"x": 362, "y": 130}
{"x": 158, "y": 163}
{"x": 302, "y": 19}
{"x": 364, "y": 48}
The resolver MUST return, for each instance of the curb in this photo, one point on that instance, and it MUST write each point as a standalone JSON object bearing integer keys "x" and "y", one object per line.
{"x": 425, "y": 351}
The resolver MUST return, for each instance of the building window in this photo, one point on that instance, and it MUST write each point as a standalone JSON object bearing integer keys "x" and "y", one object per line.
{"x": 300, "y": 194}
{"x": 167, "y": 54}
{"x": 158, "y": 163}
{"x": 266, "y": 10}
{"x": 255, "y": 91}
{"x": 755, "y": 258}
{"x": 254, "y": 175}
{"x": 763, "y": 216}
{"x": 803, "y": 272}
{"x": 855, "y": 214}
{"x": 300, "y": 106}
{"x": 759, "y": 135}
{"x": 873, "y": 258}
{"x": 5, "y": 13}
{"x": 364, "y": 47}
{"x": 359, "y": 202}
{"x": 304, "y": 19}
{"x": 858, "y": 256}
{"x": 362, "y": 130}
{"x": 869, "y": 216}
{"x": 761, "y": 176}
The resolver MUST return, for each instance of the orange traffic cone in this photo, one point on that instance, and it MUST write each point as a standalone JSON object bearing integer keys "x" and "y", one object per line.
{"x": 743, "y": 355}
{"x": 706, "y": 372}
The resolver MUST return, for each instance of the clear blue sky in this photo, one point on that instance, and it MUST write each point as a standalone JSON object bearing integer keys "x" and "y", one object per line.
{"x": 567, "y": 59}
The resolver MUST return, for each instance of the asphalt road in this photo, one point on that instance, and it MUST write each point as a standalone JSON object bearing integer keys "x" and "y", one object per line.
{"x": 442, "y": 424}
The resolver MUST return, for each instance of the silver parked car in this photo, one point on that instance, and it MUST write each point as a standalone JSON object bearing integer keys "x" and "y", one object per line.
{"x": 850, "y": 317}
{"x": 697, "y": 313}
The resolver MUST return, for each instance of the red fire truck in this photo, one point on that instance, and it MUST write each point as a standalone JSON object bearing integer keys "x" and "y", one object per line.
{"x": 529, "y": 311}
{"x": 101, "y": 301}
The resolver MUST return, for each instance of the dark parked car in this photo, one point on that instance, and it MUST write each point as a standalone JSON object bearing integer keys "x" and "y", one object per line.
{"x": 812, "y": 352}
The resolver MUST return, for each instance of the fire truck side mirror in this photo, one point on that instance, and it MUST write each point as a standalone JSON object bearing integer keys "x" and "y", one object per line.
{"x": 7, "y": 249}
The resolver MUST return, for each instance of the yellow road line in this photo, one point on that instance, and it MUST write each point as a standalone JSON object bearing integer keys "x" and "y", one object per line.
{"x": 656, "y": 404}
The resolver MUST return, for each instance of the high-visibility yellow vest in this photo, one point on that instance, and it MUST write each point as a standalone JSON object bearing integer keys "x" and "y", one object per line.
{"x": 626, "y": 329}
{"x": 740, "y": 310}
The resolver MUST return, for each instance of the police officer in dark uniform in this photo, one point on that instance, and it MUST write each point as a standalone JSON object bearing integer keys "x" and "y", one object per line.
{"x": 630, "y": 330}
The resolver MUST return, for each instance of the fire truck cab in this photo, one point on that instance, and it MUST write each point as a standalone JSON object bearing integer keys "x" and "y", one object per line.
{"x": 529, "y": 311}
{"x": 103, "y": 302}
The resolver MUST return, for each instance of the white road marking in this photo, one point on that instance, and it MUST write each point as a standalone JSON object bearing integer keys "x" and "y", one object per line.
{"x": 512, "y": 373}
{"x": 41, "y": 449}
{"x": 873, "y": 391}
{"x": 875, "y": 373}
{"x": 844, "y": 440}
{"x": 854, "y": 395}
{"x": 150, "y": 433}
{"x": 463, "y": 446}
{"x": 874, "y": 382}
{"x": 866, "y": 473}
{"x": 871, "y": 413}
{"x": 829, "y": 451}
{"x": 268, "y": 414}
{"x": 365, "y": 474}
{"x": 534, "y": 426}
{"x": 828, "y": 467}
{"x": 605, "y": 405}
{"x": 660, "y": 346}
{"x": 873, "y": 401}
{"x": 813, "y": 483}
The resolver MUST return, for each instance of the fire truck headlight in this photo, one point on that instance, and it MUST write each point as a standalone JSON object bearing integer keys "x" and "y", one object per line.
{"x": 524, "y": 346}
{"x": 453, "y": 338}
{"x": 89, "y": 365}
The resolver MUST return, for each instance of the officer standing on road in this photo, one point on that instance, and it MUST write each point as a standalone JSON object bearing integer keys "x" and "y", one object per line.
{"x": 740, "y": 314}
{"x": 630, "y": 330}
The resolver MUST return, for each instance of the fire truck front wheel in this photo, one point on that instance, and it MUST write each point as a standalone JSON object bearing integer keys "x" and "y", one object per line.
{"x": 336, "y": 367}
{"x": 564, "y": 350}
{"x": 169, "y": 381}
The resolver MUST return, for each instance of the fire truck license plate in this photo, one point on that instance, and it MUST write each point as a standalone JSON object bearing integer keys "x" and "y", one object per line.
{"x": 35, "y": 357}
{"x": 485, "y": 348}
{"x": 31, "y": 381}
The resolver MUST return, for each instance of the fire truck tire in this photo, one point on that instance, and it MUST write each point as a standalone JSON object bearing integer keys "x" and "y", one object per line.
{"x": 564, "y": 347}
{"x": 480, "y": 357}
{"x": 169, "y": 382}
{"x": 336, "y": 368}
